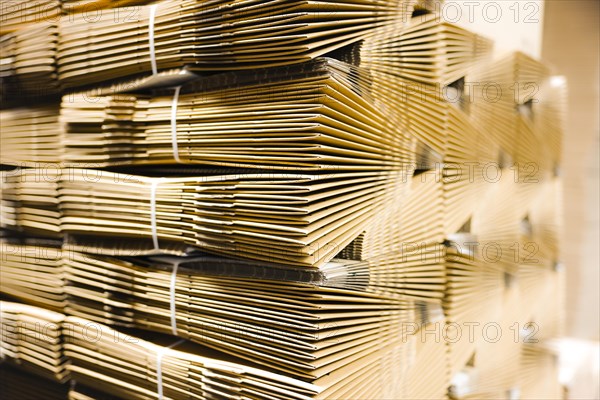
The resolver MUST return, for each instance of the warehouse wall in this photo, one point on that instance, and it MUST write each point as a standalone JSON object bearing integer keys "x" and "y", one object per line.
{"x": 514, "y": 25}
{"x": 571, "y": 44}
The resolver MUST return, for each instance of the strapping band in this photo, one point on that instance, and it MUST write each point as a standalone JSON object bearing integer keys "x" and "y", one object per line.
{"x": 159, "y": 356}
{"x": 153, "y": 189}
{"x": 172, "y": 299}
{"x": 174, "y": 124}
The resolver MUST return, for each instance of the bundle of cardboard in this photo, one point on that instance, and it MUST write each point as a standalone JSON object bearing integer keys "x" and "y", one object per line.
{"x": 131, "y": 364}
{"x": 32, "y": 340}
{"x": 31, "y": 135}
{"x": 18, "y": 384}
{"x": 30, "y": 201}
{"x": 214, "y": 36}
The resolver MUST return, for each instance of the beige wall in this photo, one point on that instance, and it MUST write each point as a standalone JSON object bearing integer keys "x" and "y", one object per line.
{"x": 512, "y": 24}
{"x": 571, "y": 44}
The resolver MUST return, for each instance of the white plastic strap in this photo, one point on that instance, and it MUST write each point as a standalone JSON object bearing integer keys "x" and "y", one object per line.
{"x": 172, "y": 299}
{"x": 151, "y": 19}
{"x": 153, "y": 189}
{"x": 159, "y": 356}
{"x": 174, "y": 124}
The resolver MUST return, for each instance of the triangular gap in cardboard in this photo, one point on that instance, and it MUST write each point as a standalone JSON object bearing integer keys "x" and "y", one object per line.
{"x": 526, "y": 109}
{"x": 466, "y": 228}
{"x": 471, "y": 362}
{"x": 426, "y": 158}
{"x": 456, "y": 95}
{"x": 349, "y": 54}
{"x": 428, "y": 312}
{"x": 526, "y": 227}
{"x": 353, "y": 251}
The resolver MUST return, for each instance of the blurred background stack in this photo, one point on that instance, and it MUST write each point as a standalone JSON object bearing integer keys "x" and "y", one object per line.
{"x": 275, "y": 200}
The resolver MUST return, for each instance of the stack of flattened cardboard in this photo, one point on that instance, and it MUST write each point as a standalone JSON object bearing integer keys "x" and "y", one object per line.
{"x": 33, "y": 273}
{"x": 16, "y": 15}
{"x": 28, "y": 63}
{"x": 288, "y": 218}
{"x": 315, "y": 115}
{"x": 30, "y": 201}
{"x": 31, "y": 135}
{"x": 214, "y": 35}
{"x": 276, "y": 200}
{"x": 32, "y": 339}
{"x": 18, "y": 384}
